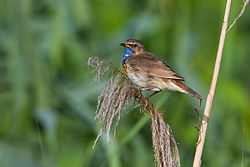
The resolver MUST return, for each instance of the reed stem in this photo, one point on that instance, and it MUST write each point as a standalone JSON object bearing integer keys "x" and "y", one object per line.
{"x": 210, "y": 96}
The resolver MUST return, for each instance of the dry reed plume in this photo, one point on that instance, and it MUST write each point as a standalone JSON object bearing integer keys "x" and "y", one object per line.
{"x": 120, "y": 91}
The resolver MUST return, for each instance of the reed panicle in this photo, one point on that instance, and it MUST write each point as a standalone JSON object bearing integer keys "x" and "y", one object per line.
{"x": 118, "y": 92}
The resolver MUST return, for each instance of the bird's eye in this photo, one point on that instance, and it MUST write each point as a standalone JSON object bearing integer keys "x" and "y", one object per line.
{"x": 135, "y": 45}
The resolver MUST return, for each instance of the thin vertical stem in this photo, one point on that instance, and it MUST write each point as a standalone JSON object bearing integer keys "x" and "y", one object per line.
{"x": 210, "y": 96}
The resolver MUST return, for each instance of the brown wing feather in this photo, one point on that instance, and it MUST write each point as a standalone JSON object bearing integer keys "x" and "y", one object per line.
{"x": 149, "y": 64}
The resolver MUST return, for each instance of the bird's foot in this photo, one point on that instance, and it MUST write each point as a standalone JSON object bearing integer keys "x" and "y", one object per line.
{"x": 146, "y": 102}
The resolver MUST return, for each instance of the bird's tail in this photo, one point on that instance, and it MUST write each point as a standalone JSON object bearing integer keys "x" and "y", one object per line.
{"x": 187, "y": 89}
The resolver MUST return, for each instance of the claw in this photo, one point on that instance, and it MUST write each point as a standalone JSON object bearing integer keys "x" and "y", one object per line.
{"x": 146, "y": 102}
{"x": 146, "y": 105}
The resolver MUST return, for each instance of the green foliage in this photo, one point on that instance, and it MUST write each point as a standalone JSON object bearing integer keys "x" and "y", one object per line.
{"x": 47, "y": 99}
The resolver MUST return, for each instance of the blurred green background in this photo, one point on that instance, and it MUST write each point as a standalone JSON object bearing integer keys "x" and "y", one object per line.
{"x": 48, "y": 98}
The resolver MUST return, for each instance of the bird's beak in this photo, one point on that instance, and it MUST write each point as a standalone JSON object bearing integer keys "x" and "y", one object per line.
{"x": 123, "y": 44}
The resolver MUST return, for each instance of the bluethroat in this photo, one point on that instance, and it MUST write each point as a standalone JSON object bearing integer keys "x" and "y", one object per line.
{"x": 150, "y": 73}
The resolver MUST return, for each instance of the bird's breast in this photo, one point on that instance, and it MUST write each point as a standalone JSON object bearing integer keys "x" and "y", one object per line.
{"x": 124, "y": 65}
{"x": 148, "y": 81}
{"x": 142, "y": 80}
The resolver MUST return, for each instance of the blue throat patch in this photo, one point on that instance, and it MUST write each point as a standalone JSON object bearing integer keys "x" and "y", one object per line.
{"x": 127, "y": 53}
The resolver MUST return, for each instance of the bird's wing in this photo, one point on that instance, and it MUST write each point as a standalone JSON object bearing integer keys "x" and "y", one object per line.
{"x": 149, "y": 64}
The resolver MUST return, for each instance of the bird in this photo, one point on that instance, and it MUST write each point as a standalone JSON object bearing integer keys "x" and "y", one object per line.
{"x": 149, "y": 72}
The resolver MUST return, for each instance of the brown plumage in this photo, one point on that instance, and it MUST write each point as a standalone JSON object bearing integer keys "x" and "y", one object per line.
{"x": 149, "y": 72}
{"x": 147, "y": 63}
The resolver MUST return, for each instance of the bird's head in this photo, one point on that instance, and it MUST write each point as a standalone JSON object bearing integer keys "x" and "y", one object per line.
{"x": 133, "y": 45}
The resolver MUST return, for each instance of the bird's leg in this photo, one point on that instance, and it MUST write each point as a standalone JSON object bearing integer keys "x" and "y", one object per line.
{"x": 149, "y": 88}
{"x": 140, "y": 93}
{"x": 142, "y": 89}
{"x": 146, "y": 100}
{"x": 152, "y": 94}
